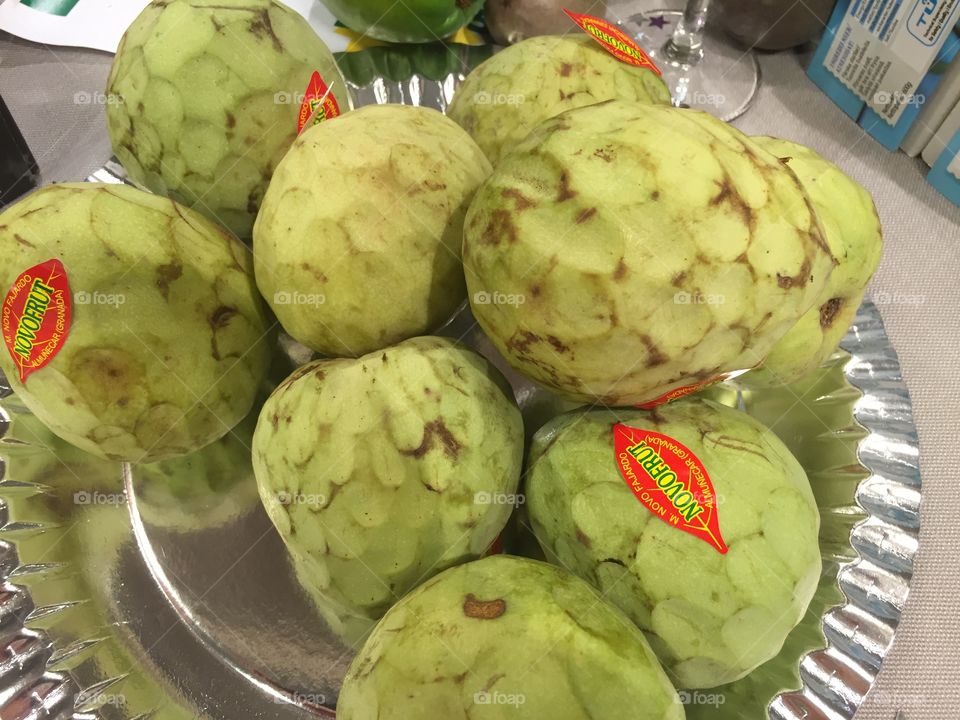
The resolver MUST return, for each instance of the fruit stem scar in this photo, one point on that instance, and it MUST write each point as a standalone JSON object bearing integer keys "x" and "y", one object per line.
{"x": 483, "y": 609}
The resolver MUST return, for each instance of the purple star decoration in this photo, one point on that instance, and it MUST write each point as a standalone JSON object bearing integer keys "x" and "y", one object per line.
{"x": 659, "y": 21}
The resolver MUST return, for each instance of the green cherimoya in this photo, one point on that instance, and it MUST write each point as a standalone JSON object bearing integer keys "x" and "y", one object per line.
{"x": 506, "y": 638}
{"x": 168, "y": 339}
{"x": 711, "y": 617}
{"x": 518, "y": 88}
{"x": 653, "y": 248}
{"x": 358, "y": 244}
{"x": 381, "y": 471}
{"x": 204, "y": 99}
{"x": 852, "y": 230}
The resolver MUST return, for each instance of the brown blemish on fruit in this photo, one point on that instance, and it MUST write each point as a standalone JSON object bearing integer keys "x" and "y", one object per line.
{"x": 582, "y": 538}
{"x": 586, "y": 215}
{"x": 729, "y": 195}
{"x": 167, "y": 274}
{"x": 478, "y": 609}
{"x": 435, "y": 431}
{"x": 500, "y": 225}
{"x": 493, "y": 680}
{"x": 739, "y": 445}
{"x": 801, "y": 278}
{"x": 620, "y": 271}
{"x": 678, "y": 279}
{"x": 220, "y": 318}
{"x": 253, "y": 200}
{"x": 307, "y": 267}
{"x": 566, "y": 69}
{"x": 557, "y": 344}
{"x": 828, "y": 312}
{"x": 521, "y": 344}
{"x": 605, "y": 153}
{"x": 566, "y": 192}
{"x": 655, "y": 355}
{"x": 261, "y": 27}
{"x": 521, "y": 201}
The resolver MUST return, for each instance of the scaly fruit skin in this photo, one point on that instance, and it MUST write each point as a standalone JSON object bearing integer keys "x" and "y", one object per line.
{"x": 852, "y": 229}
{"x": 510, "y": 94}
{"x": 173, "y": 366}
{"x": 381, "y": 471}
{"x": 204, "y": 99}
{"x": 365, "y": 217}
{"x": 711, "y": 618}
{"x": 522, "y": 639}
{"x": 654, "y": 248}
{"x": 411, "y": 21}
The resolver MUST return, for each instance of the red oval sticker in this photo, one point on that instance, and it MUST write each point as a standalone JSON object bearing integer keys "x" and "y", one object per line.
{"x": 35, "y": 316}
{"x": 318, "y": 104}
{"x": 670, "y": 481}
{"x": 614, "y": 40}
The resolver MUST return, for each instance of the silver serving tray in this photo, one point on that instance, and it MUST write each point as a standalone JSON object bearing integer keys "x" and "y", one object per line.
{"x": 164, "y": 591}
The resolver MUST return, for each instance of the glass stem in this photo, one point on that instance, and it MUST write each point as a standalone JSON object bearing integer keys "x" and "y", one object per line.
{"x": 686, "y": 44}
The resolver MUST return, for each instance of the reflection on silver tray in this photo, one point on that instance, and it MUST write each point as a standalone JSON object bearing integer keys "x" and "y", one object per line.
{"x": 164, "y": 591}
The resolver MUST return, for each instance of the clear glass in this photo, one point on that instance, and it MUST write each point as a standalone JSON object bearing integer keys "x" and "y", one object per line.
{"x": 703, "y": 69}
